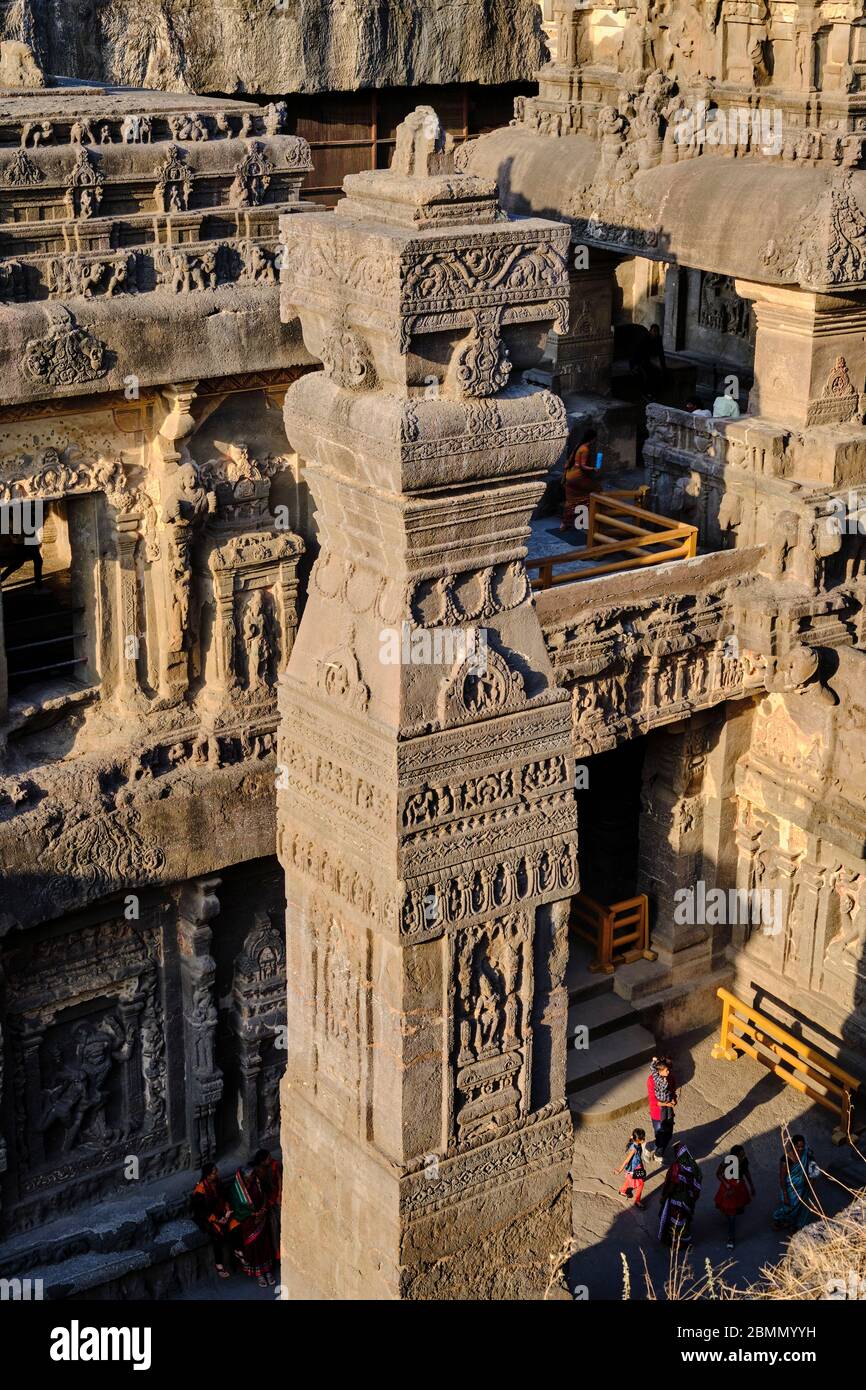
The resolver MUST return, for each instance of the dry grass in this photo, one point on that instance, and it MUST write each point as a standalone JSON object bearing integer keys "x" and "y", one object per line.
{"x": 829, "y": 1255}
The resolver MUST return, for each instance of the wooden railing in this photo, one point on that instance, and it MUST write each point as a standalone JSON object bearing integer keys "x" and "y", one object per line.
{"x": 619, "y": 933}
{"x": 622, "y": 536}
{"x": 744, "y": 1029}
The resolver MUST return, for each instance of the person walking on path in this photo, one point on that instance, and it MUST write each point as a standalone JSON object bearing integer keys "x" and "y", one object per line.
{"x": 736, "y": 1188}
{"x": 680, "y": 1193}
{"x": 797, "y": 1167}
{"x": 661, "y": 1089}
{"x": 634, "y": 1167}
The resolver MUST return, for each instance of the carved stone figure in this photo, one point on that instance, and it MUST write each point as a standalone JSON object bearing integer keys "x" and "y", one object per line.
{"x": 76, "y": 1094}
{"x": 174, "y": 181}
{"x": 252, "y": 178}
{"x": 257, "y": 641}
{"x": 84, "y": 187}
{"x": 65, "y": 356}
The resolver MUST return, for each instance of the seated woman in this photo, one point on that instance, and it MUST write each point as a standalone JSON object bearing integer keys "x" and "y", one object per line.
{"x": 213, "y": 1215}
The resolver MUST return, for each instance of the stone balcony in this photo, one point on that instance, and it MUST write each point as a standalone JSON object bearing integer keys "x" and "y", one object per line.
{"x": 639, "y": 650}
{"x": 647, "y": 646}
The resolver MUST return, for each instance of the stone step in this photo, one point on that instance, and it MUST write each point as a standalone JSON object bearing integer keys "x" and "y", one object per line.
{"x": 608, "y": 1056}
{"x": 177, "y": 1255}
{"x": 583, "y": 983}
{"x": 624, "y": 1094}
{"x": 601, "y": 1014}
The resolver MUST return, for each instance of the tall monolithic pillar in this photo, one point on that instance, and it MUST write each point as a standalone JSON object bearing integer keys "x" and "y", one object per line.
{"x": 427, "y": 823}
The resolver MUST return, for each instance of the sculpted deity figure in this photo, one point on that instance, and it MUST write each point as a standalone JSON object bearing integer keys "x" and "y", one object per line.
{"x": 257, "y": 641}
{"x": 203, "y": 1018}
{"x": 851, "y": 890}
{"x": 486, "y": 1015}
{"x": 77, "y": 1094}
{"x": 185, "y": 505}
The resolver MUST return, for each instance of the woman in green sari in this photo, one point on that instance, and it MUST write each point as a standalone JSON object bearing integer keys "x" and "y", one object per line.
{"x": 796, "y": 1190}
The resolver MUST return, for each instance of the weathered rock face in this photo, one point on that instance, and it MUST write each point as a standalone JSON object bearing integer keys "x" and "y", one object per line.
{"x": 281, "y": 45}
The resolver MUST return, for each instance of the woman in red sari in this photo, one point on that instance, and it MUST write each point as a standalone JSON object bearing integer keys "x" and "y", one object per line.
{"x": 271, "y": 1177}
{"x": 254, "y": 1242}
{"x": 580, "y": 478}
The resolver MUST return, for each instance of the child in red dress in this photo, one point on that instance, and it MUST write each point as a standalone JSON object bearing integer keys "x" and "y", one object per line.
{"x": 634, "y": 1167}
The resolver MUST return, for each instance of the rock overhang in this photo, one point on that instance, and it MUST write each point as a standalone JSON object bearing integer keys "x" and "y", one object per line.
{"x": 749, "y": 218}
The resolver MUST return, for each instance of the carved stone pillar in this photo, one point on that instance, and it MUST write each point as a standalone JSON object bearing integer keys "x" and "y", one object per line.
{"x": 427, "y": 822}
{"x": 183, "y": 506}
{"x": 4, "y": 682}
{"x": 671, "y": 845}
{"x": 257, "y": 1016}
{"x": 810, "y": 349}
{"x": 199, "y": 904}
{"x": 129, "y": 608}
{"x": 580, "y": 360}
{"x": 4, "y": 1158}
{"x": 739, "y": 28}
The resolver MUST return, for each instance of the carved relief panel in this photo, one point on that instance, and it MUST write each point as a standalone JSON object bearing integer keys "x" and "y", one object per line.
{"x": 87, "y": 1034}
{"x": 257, "y": 1014}
{"x": 255, "y": 590}
{"x": 492, "y": 1045}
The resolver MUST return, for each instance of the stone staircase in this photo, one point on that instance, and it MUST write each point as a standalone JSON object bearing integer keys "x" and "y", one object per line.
{"x": 606, "y": 1078}
{"x": 139, "y": 1245}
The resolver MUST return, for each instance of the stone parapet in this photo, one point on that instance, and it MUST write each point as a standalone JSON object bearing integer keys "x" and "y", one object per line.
{"x": 121, "y": 214}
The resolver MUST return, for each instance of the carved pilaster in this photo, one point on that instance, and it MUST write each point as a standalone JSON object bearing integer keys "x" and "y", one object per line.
{"x": 258, "y": 1017}
{"x": 426, "y": 815}
{"x": 129, "y": 607}
{"x": 199, "y": 904}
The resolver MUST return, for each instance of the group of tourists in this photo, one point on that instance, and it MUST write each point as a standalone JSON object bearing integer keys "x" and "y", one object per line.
{"x": 683, "y": 1181}
{"x": 241, "y": 1218}
{"x": 581, "y": 474}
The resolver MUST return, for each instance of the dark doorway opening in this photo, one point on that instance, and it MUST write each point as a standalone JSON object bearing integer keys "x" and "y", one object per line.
{"x": 42, "y": 621}
{"x": 608, "y": 822}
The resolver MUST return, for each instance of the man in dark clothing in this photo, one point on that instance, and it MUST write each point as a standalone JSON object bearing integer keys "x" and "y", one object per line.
{"x": 645, "y": 352}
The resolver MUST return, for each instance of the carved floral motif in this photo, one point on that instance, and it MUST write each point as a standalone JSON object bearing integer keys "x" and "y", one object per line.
{"x": 66, "y": 356}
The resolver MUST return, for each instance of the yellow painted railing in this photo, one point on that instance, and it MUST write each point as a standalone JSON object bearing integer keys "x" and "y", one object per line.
{"x": 619, "y": 933}
{"x": 622, "y": 536}
{"x": 744, "y": 1029}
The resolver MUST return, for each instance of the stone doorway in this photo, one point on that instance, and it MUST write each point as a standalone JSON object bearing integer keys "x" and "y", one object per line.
{"x": 608, "y": 818}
